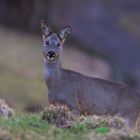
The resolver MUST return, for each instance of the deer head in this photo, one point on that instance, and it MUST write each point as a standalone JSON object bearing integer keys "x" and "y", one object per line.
{"x": 53, "y": 42}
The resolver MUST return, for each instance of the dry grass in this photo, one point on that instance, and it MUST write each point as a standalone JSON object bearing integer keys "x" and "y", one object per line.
{"x": 5, "y": 135}
{"x": 93, "y": 127}
{"x": 58, "y": 123}
{"x": 61, "y": 116}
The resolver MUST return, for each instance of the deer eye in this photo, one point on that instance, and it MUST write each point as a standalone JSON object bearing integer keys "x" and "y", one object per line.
{"x": 58, "y": 44}
{"x": 47, "y": 42}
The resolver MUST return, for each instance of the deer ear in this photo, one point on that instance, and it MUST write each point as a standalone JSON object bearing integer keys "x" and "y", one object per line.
{"x": 46, "y": 30}
{"x": 65, "y": 32}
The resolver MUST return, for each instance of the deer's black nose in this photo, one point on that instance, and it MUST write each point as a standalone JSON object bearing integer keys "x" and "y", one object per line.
{"x": 51, "y": 54}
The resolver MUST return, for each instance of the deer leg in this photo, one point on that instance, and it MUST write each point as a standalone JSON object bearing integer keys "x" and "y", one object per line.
{"x": 131, "y": 122}
{"x": 76, "y": 112}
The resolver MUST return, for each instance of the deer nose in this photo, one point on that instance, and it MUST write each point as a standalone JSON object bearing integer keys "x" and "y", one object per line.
{"x": 51, "y": 54}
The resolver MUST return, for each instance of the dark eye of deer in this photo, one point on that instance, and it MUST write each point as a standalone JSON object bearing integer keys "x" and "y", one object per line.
{"x": 47, "y": 43}
{"x": 58, "y": 44}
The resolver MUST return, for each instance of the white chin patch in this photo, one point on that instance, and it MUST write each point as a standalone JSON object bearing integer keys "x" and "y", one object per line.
{"x": 49, "y": 59}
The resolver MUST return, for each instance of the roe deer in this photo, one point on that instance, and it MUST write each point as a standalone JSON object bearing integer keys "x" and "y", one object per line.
{"x": 84, "y": 94}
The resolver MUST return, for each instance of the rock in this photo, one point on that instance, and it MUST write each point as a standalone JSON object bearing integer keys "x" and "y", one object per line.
{"x": 5, "y": 110}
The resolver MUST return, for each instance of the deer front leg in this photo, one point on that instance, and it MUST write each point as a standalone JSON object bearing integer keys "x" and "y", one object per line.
{"x": 131, "y": 122}
{"x": 75, "y": 111}
{"x": 51, "y": 98}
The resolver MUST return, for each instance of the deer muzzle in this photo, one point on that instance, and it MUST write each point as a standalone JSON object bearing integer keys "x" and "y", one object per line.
{"x": 50, "y": 56}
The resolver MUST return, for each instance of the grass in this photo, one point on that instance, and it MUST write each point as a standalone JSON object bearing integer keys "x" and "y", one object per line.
{"x": 27, "y": 127}
{"x": 24, "y": 127}
{"x": 102, "y": 130}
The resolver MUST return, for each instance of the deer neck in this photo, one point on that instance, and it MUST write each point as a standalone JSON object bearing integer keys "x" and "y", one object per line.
{"x": 52, "y": 72}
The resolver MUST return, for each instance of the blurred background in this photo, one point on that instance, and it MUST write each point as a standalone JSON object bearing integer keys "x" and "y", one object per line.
{"x": 105, "y": 42}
